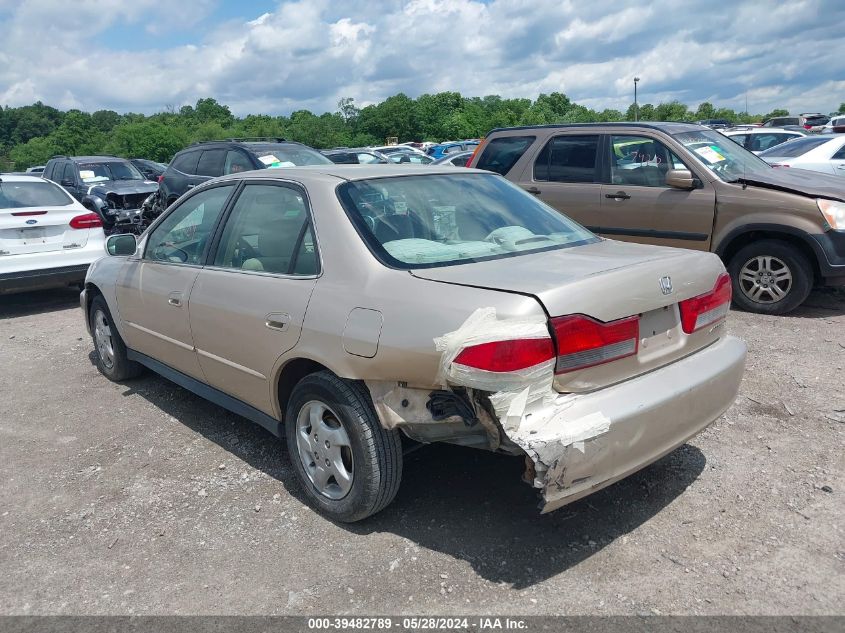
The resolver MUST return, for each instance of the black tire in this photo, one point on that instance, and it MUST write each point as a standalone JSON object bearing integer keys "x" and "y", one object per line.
{"x": 117, "y": 367}
{"x": 785, "y": 256}
{"x": 376, "y": 452}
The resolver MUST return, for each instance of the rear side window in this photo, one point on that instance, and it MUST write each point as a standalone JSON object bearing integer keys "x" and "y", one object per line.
{"x": 19, "y": 195}
{"x": 186, "y": 163}
{"x": 795, "y": 148}
{"x": 211, "y": 162}
{"x": 501, "y": 154}
{"x": 840, "y": 155}
{"x": 568, "y": 159}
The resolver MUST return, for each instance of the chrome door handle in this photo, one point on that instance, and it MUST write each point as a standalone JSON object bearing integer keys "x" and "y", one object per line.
{"x": 175, "y": 299}
{"x": 619, "y": 195}
{"x": 277, "y": 321}
{"x": 534, "y": 191}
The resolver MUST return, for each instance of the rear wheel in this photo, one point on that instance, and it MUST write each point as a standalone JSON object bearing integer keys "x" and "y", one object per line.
{"x": 109, "y": 348}
{"x": 770, "y": 277}
{"x": 348, "y": 465}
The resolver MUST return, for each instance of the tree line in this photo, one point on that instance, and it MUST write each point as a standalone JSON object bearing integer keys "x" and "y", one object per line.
{"x": 30, "y": 135}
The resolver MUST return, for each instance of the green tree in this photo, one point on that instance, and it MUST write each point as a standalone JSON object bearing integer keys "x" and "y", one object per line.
{"x": 841, "y": 109}
{"x": 151, "y": 139}
{"x": 36, "y": 151}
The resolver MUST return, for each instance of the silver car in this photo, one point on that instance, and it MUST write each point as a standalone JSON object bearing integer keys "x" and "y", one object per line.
{"x": 350, "y": 307}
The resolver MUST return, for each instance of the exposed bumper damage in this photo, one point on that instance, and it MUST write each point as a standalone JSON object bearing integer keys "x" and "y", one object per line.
{"x": 576, "y": 443}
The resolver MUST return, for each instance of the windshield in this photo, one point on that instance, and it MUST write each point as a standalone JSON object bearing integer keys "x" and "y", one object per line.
{"x": 423, "y": 221}
{"x": 795, "y": 148}
{"x": 18, "y": 195}
{"x": 112, "y": 170}
{"x": 289, "y": 156}
{"x": 725, "y": 158}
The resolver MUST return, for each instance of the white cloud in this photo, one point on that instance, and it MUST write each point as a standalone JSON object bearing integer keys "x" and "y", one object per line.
{"x": 309, "y": 53}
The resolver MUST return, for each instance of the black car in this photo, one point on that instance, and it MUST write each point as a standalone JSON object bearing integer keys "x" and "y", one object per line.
{"x": 355, "y": 156}
{"x": 203, "y": 161}
{"x": 151, "y": 169}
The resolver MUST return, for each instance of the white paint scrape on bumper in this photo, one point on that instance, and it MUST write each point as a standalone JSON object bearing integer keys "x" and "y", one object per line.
{"x": 581, "y": 443}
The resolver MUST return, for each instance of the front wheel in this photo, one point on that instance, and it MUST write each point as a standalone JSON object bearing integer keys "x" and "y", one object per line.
{"x": 348, "y": 465}
{"x": 770, "y": 277}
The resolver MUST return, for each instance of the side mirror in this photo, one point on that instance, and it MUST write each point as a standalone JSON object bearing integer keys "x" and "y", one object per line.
{"x": 121, "y": 245}
{"x": 680, "y": 179}
{"x": 67, "y": 183}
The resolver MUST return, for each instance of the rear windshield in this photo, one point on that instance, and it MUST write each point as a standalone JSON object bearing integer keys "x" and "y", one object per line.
{"x": 288, "y": 156}
{"x": 796, "y": 147}
{"x": 17, "y": 195}
{"x": 422, "y": 221}
{"x": 501, "y": 154}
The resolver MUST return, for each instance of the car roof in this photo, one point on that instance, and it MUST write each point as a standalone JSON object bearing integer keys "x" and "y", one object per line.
{"x": 759, "y": 130}
{"x": 236, "y": 143}
{"x": 88, "y": 159}
{"x": 665, "y": 126}
{"x": 22, "y": 178}
{"x": 340, "y": 172}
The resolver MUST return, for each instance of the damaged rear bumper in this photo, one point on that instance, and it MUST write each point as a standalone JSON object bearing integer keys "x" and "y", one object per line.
{"x": 582, "y": 443}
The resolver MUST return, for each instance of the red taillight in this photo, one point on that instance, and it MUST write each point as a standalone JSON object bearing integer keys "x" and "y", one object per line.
{"x": 504, "y": 356}
{"x": 25, "y": 213}
{"x": 475, "y": 152}
{"x": 584, "y": 342}
{"x": 160, "y": 178}
{"x": 807, "y": 126}
{"x": 87, "y": 221}
{"x": 708, "y": 308}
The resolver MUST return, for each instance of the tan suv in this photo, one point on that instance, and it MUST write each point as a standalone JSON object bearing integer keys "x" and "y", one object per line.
{"x": 779, "y": 231}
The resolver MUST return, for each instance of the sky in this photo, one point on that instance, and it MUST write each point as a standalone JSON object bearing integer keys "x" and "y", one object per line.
{"x": 275, "y": 57}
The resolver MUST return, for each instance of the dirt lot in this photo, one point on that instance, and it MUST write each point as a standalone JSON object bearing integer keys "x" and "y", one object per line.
{"x": 144, "y": 499}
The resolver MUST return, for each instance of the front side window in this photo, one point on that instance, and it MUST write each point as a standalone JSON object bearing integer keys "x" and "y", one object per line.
{"x": 641, "y": 161}
{"x": 69, "y": 173}
{"x": 268, "y": 231}
{"x": 419, "y": 221}
{"x": 236, "y": 162}
{"x": 211, "y": 162}
{"x": 568, "y": 159}
{"x": 840, "y": 154}
{"x": 182, "y": 236}
{"x": 501, "y": 154}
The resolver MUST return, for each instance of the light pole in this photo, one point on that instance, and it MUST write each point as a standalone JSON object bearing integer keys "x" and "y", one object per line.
{"x": 636, "y": 107}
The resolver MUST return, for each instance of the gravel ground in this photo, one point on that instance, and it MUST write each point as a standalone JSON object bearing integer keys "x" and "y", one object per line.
{"x": 145, "y": 499}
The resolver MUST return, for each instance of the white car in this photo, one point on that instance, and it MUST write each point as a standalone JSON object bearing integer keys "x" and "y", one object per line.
{"x": 835, "y": 125}
{"x": 392, "y": 149}
{"x": 47, "y": 239}
{"x": 759, "y": 139}
{"x": 817, "y": 153}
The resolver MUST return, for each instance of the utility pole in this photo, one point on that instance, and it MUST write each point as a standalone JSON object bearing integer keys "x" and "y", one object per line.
{"x": 636, "y": 106}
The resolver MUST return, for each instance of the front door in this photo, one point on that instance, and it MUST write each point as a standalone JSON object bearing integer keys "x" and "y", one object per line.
{"x": 153, "y": 291}
{"x": 566, "y": 175}
{"x": 638, "y": 205}
{"x": 247, "y": 308}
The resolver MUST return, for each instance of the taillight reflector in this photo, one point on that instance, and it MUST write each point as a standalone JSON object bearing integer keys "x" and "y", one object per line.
{"x": 160, "y": 178}
{"x": 26, "y": 213}
{"x": 505, "y": 356}
{"x": 87, "y": 221}
{"x": 708, "y": 308}
{"x": 584, "y": 342}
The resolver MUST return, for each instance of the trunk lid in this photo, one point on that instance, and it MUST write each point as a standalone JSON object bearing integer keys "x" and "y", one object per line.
{"x": 25, "y": 230}
{"x": 606, "y": 280}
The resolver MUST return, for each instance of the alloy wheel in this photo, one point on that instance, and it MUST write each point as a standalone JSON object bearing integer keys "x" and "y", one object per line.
{"x": 324, "y": 450}
{"x": 103, "y": 339}
{"x": 765, "y": 279}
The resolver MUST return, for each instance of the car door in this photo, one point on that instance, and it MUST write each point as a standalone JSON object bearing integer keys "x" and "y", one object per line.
{"x": 70, "y": 181}
{"x": 638, "y": 205}
{"x": 153, "y": 290}
{"x": 565, "y": 174}
{"x": 837, "y": 161}
{"x": 248, "y": 305}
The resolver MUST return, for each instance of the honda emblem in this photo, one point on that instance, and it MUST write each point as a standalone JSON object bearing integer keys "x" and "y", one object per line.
{"x": 666, "y": 285}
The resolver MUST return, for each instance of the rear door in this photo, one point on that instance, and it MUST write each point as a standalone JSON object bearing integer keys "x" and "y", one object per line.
{"x": 638, "y": 205}
{"x": 247, "y": 307}
{"x": 565, "y": 174}
{"x": 37, "y": 217}
{"x": 153, "y": 291}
